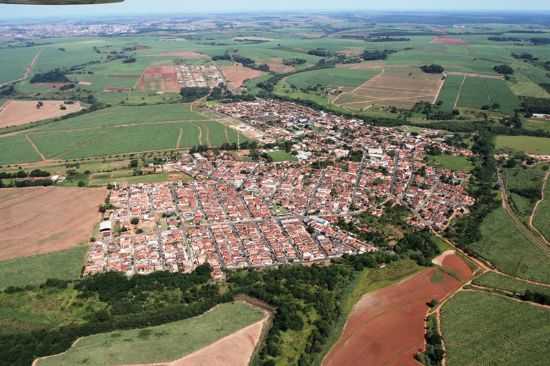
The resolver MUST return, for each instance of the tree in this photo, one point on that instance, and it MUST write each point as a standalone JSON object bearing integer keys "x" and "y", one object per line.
{"x": 432, "y": 69}
{"x": 134, "y": 221}
{"x": 504, "y": 69}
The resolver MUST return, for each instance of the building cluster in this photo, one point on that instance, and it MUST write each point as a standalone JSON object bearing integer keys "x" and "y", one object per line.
{"x": 192, "y": 76}
{"x": 237, "y": 214}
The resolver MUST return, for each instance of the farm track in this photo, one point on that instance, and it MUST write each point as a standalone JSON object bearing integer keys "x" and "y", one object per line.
{"x": 30, "y": 141}
{"x": 534, "y": 237}
{"x": 533, "y": 214}
{"x": 179, "y": 138}
{"x": 459, "y": 93}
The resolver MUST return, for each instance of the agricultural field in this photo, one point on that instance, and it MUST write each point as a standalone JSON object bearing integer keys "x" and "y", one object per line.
{"x": 373, "y": 330}
{"x": 15, "y": 62}
{"x": 45, "y": 220}
{"x": 524, "y": 187}
{"x": 162, "y": 343}
{"x": 504, "y": 245}
{"x": 528, "y": 144}
{"x": 236, "y": 75}
{"x": 62, "y": 265}
{"x": 480, "y": 329}
{"x": 19, "y": 112}
{"x": 331, "y": 78}
{"x": 455, "y": 163}
{"x": 537, "y": 124}
{"x": 502, "y": 282}
{"x": 479, "y": 92}
{"x": 17, "y": 149}
{"x": 450, "y": 93}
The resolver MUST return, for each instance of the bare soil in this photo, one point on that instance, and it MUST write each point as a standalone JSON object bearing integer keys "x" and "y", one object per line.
{"x": 387, "y": 327}
{"x": 448, "y": 41}
{"x": 44, "y": 220}
{"x": 237, "y": 74}
{"x": 183, "y": 54}
{"x": 20, "y": 112}
{"x": 161, "y": 78}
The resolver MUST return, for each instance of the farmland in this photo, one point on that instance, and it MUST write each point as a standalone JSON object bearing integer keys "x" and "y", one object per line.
{"x": 542, "y": 216}
{"x": 479, "y": 328}
{"x": 528, "y": 144}
{"x": 509, "y": 250}
{"x": 450, "y": 92}
{"x": 31, "y": 220}
{"x": 63, "y": 265}
{"x": 479, "y": 92}
{"x": 162, "y": 343}
{"x": 501, "y": 282}
{"x": 18, "y": 112}
{"x": 524, "y": 186}
{"x": 331, "y": 78}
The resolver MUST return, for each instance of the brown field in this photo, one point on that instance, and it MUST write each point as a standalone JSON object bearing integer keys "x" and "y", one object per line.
{"x": 387, "y": 327}
{"x": 448, "y": 41}
{"x": 191, "y": 55}
{"x": 163, "y": 78}
{"x": 237, "y": 74}
{"x": 397, "y": 86}
{"x": 276, "y": 65}
{"x": 44, "y": 220}
{"x": 369, "y": 65}
{"x": 20, "y": 112}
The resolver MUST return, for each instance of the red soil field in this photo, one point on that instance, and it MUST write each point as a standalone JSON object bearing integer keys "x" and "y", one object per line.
{"x": 183, "y": 54}
{"x": 162, "y": 78}
{"x": 387, "y": 326}
{"x": 237, "y": 74}
{"x": 44, "y": 220}
{"x": 20, "y": 112}
{"x": 448, "y": 41}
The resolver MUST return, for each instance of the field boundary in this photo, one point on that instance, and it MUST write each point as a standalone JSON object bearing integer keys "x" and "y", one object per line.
{"x": 30, "y": 141}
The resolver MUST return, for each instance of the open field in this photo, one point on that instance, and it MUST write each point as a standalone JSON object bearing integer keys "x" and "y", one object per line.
{"x": 478, "y": 92}
{"x": 456, "y": 163}
{"x": 14, "y": 62}
{"x": 509, "y": 250}
{"x": 524, "y": 187}
{"x": 449, "y": 41}
{"x": 395, "y": 86}
{"x": 236, "y": 75}
{"x": 45, "y": 220}
{"x": 528, "y": 144}
{"x": 35, "y": 270}
{"x": 484, "y": 329}
{"x": 162, "y": 343}
{"x": 374, "y": 331}
{"x": 17, "y": 149}
{"x": 331, "y": 78}
{"x": 20, "y": 112}
{"x": 162, "y": 78}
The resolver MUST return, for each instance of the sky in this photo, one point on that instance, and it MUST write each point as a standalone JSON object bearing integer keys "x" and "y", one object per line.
{"x": 132, "y": 7}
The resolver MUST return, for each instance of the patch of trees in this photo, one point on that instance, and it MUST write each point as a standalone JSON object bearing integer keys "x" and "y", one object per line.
{"x": 418, "y": 246}
{"x": 131, "y": 305}
{"x": 376, "y": 54}
{"x": 387, "y": 39}
{"x": 434, "y": 346}
{"x": 193, "y": 93}
{"x": 245, "y": 61}
{"x": 432, "y": 112}
{"x": 432, "y": 69}
{"x": 198, "y": 149}
{"x": 526, "y": 56}
{"x": 504, "y": 69}
{"x": 539, "y": 41}
{"x": 129, "y": 60}
{"x": 321, "y": 52}
{"x": 534, "y": 296}
{"x": 7, "y": 90}
{"x": 504, "y": 39}
{"x": 466, "y": 230}
{"x": 23, "y": 174}
{"x": 294, "y": 61}
{"x": 53, "y": 76}
{"x": 531, "y": 194}
{"x": 531, "y": 105}
{"x": 299, "y": 291}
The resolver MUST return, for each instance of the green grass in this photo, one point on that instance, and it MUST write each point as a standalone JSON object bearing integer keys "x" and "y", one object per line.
{"x": 450, "y": 92}
{"x": 528, "y": 144}
{"x": 501, "y": 282}
{"x": 478, "y": 92}
{"x": 14, "y": 61}
{"x": 542, "y": 218}
{"x": 483, "y": 329}
{"x": 64, "y": 265}
{"x": 331, "y": 78}
{"x": 162, "y": 343}
{"x": 509, "y": 250}
{"x": 537, "y": 124}
{"x": 16, "y": 149}
{"x": 455, "y": 163}
{"x": 46, "y": 308}
{"x": 521, "y": 179}
{"x": 280, "y": 155}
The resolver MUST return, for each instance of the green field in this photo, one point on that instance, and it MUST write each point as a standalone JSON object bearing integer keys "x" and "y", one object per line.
{"x": 537, "y": 124}
{"x": 501, "y": 282}
{"x": 449, "y": 93}
{"x": 14, "y": 62}
{"x": 542, "y": 218}
{"x": 162, "y": 343}
{"x": 478, "y": 92}
{"x": 504, "y": 245}
{"x": 280, "y": 155}
{"x": 331, "y": 78}
{"x": 524, "y": 186}
{"x": 456, "y": 163}
{"x": 528, "y": 144}
{"x": 16, "y": 149}
{"x": 483, "y": 329}
{"x": 64, "y": 265}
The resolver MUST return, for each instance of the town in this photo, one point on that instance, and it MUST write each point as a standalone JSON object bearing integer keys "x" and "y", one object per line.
{"x": 238, "y": 214}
